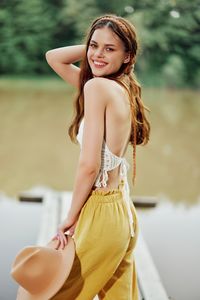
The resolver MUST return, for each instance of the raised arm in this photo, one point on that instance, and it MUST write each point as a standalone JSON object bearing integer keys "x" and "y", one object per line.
{"x": 61, "y": 61}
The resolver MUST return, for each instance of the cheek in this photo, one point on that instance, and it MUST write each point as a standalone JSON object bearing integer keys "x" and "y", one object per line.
{"x": 117, "y": 62}
{"x": 118, "y": 59}
{"x": 90, "y": 51}
{"x": 89, "y": 58}
{"x": 88, "y": 55}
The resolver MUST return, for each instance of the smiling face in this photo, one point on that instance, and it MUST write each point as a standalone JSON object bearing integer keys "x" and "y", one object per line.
{"x": 106, "y": 52}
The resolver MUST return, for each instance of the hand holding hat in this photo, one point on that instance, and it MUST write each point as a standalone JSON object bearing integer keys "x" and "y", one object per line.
{"x": 67, "y": 227}
{"x": 41, "y": 271}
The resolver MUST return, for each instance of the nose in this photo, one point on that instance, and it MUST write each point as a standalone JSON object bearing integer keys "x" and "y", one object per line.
{"x": 99, "y": 53}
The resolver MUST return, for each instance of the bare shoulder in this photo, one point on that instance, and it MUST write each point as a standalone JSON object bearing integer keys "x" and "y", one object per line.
{"x": 101, "y": 87}
{"x": 96, "y": 83}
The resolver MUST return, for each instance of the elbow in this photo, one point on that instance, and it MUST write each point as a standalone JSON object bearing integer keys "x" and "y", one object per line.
{"x": 90, "y": 169}
{"x": 49, "y": 56}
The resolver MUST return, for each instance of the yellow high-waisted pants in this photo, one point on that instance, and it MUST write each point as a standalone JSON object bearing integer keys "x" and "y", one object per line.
{"x": 104, "y": 262}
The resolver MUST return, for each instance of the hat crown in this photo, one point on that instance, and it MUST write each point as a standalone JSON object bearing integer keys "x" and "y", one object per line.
{"x": 41, "y": 271}
{"x": 36, "y": 267}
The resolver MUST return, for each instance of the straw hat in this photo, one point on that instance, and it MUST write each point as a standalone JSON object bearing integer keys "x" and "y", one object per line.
{"x": 41, "y": 271}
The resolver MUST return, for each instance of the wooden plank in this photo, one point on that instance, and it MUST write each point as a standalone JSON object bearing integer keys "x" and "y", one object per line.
{"x": 50, "y": 218}
{"x": 29, "y": 198}
{"x": 55, "y": 209}
{"x": 140, "y": 297}
{"x": 65, "y": 198}
{"x": 149, "y": 279}
{"x": 144, "y": 201}
{"x": 35, "y": 194}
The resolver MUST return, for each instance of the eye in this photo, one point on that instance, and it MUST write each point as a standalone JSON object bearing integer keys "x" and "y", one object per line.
{"x": 93, "y": 45}
{"x": 109, "y": 49}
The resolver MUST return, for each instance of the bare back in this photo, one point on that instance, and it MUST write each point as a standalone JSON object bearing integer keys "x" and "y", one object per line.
{"x": 117, "y": 124}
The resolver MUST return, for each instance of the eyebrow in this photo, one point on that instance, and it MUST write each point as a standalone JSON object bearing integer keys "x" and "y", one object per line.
{"x": 92, "y": 41}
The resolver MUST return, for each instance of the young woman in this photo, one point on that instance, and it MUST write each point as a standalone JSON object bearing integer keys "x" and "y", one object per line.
{"x": 109, "y": 115}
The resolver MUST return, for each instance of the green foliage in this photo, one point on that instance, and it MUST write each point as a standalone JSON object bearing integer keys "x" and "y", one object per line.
{"x": 27, "y": 29}
{"x": 168, "y": 32}
{"x": 83, "y": 11}
{"x": 169, "y": 29}
{"x": 173, "y": 72}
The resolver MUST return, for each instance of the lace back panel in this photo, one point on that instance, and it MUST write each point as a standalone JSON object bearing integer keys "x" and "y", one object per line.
{"x": 110, "y": 161}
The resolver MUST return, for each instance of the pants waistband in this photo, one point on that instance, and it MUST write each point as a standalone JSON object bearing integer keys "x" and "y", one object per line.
{"x": 113, "y": 195}
{"x": 109, "y": 195}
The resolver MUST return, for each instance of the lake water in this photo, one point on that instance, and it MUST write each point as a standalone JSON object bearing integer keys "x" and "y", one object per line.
{"x": 36, "y": 150}
{"x": 171, "y": 232}
{"x": 19, "y": 227}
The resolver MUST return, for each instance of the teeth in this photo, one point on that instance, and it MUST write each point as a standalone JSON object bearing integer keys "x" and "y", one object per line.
{"x": 99, "y": 64}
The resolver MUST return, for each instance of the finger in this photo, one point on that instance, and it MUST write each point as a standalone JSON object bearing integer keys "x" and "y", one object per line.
{"x": 71, "y": 230}
{"x": 58, "y": 239}
{"x": 65, "y": 239}
{"x": 65, "y": 233}
{"x": 58, "y": 245}
{"x": 62, "y": 240}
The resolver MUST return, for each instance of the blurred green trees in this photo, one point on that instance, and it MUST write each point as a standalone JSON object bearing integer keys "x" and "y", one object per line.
{"x": 168, "y": 31}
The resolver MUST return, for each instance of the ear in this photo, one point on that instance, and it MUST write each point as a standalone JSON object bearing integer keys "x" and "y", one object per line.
{"x": 127, "y": 58}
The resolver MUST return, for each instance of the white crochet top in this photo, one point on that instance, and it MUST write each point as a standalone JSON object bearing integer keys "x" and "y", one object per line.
{"x": 110, "y": 161}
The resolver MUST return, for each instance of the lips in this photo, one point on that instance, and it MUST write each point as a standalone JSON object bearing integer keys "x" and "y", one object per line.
{"x": 99, "y": 64}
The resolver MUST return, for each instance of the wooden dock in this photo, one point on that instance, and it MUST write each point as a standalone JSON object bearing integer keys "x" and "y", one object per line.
{"x": 55, "y": 207}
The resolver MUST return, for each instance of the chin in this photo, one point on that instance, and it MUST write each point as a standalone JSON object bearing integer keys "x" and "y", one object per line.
{"x": 101, "y": 73}
{"x": 98, "y": 74}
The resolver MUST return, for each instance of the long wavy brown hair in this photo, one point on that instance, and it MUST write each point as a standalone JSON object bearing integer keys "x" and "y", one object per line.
{"x": 124, "y": 76}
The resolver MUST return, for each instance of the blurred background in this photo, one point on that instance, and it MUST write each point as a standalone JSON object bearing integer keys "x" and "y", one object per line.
{"x": 36, "y": 108}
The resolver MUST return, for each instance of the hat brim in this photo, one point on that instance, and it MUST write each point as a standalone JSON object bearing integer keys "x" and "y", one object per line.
{"x": 68, "y": 254}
